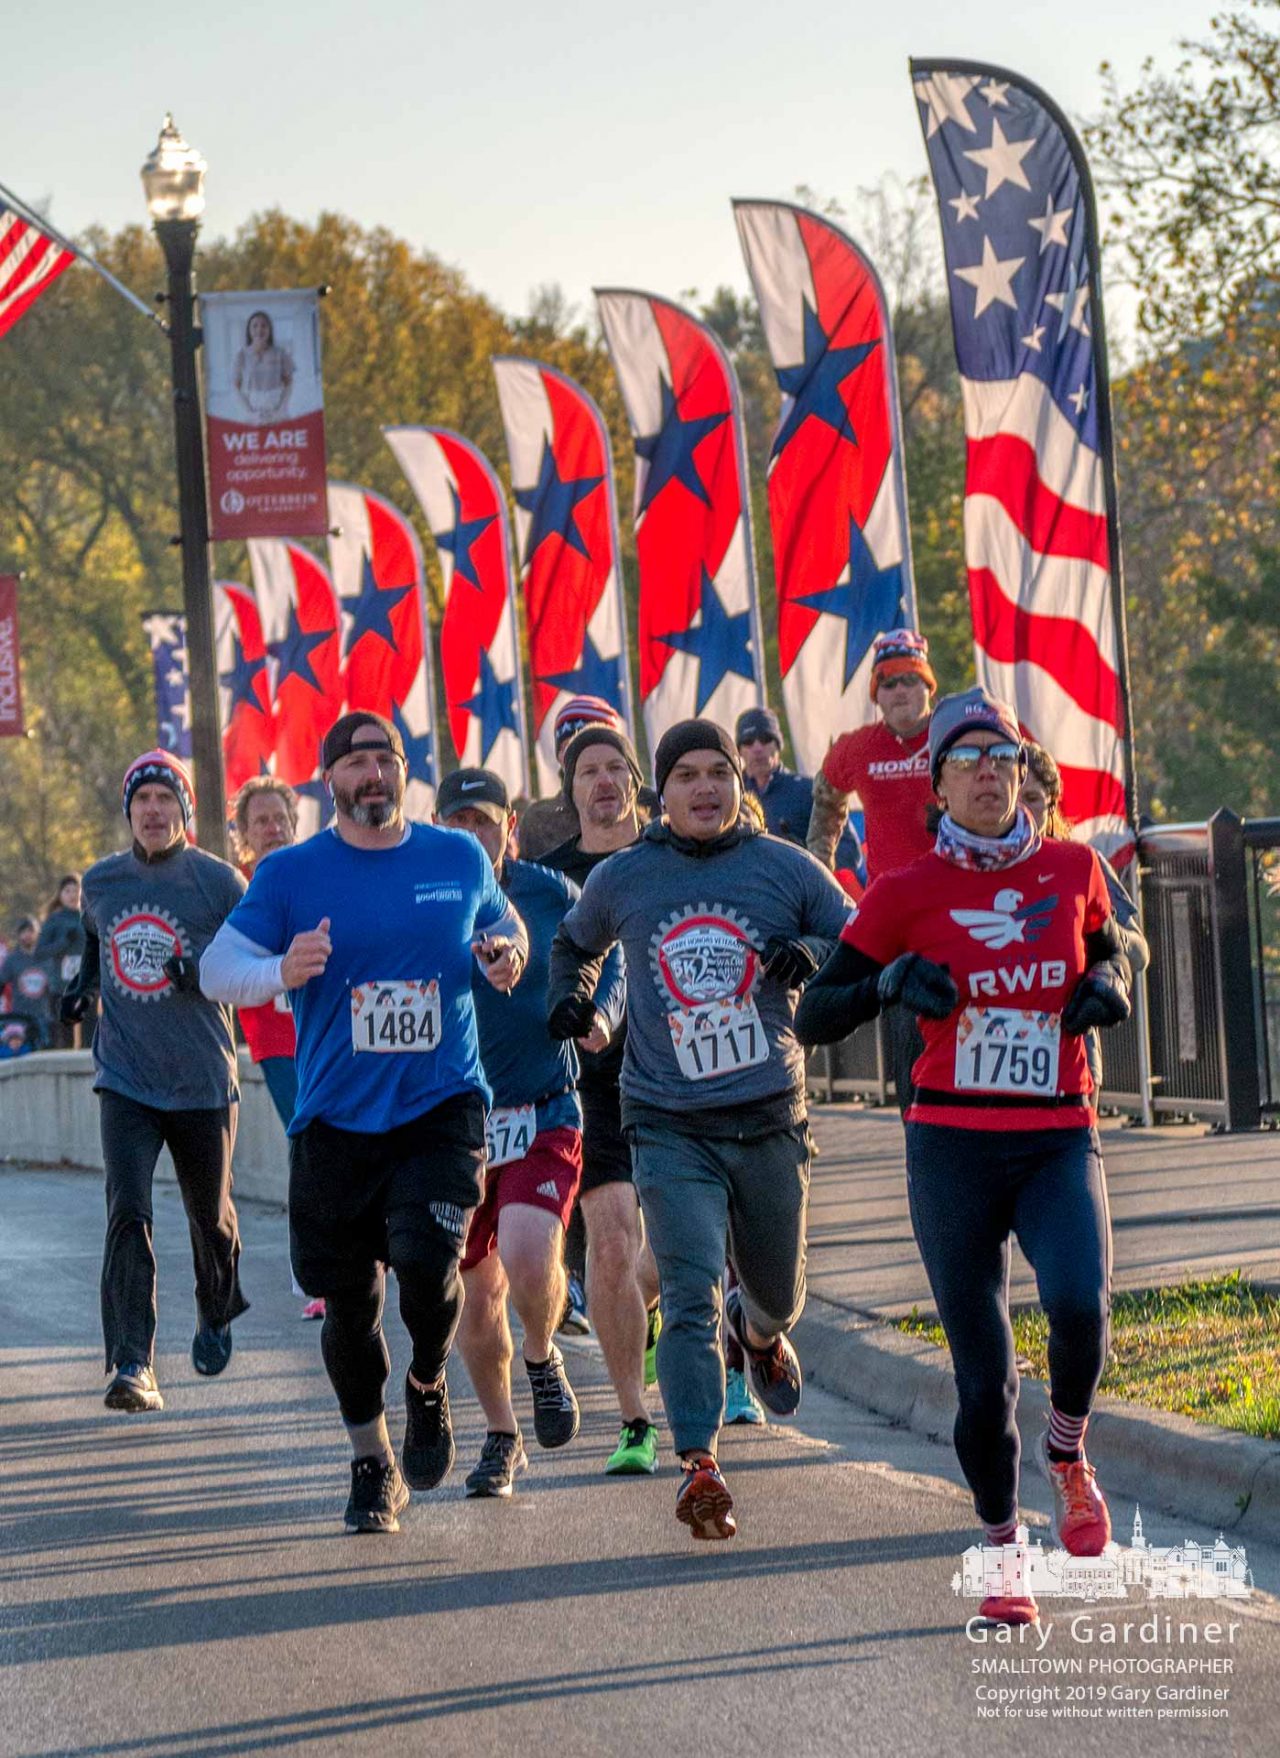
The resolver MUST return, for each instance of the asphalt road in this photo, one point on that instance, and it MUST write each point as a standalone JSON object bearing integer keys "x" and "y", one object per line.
{"x": 182, "y": 1584}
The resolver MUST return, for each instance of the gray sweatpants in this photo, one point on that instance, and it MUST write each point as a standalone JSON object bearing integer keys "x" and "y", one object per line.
{"x": 701, "y": 1198}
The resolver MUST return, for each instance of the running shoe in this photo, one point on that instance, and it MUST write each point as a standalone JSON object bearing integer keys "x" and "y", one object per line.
{"x": 211, "y": 1349}
{"x": 703, "y": 1502}
{"x": 1081, "y": 1522}
{"x": 134, "y": 1388}
{"x": 574, "y": 1318}
{"x": 740, "y": 1402}
{"x": 774, "y": 1371}
{"x": 653, "y": 1330}
{"x": 636, "y": 1454}
{"x": 314, "y": 1309}
{"x": 1009, "y": 1608}
{"x": 379, "y": 1495}
{"x": 501, "y": 1457}
{"x": 555, "y": 1409}
{"x": 428, "y": 1454}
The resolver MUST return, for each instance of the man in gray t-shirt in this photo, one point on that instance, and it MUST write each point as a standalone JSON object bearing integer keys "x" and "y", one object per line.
{"x": 720, "y": 925}
{"x": 165, "y": 1072}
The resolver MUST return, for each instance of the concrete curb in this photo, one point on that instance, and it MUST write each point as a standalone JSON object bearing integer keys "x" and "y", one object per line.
{"x": 1211, "y": 1476}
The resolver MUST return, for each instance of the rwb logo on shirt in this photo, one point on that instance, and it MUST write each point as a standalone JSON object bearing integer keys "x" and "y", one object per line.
{"x": 1009, "y": 921}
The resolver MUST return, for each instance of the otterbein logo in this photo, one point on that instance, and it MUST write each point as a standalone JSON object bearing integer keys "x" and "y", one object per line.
{"x": 704, "y": 954}
{"x": 140, "y": 941}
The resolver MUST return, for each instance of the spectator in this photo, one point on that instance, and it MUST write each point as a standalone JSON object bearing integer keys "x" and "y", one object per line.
{"x": 26, "y": 974}
{"x": 61, "y": 945}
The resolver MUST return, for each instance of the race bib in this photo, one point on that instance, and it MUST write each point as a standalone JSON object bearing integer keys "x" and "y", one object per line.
{"x": 1007, "y": 1050}
{"x": 394, "y": 1018}
{"x": 70, "y": 967}
{"x": 719, "y": 1037}
{"x": 508, "y": 1133}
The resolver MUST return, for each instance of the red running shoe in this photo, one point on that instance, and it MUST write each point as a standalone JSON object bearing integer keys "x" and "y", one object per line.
{"x": 703, "y": 1502}
{"x": 1081, "y": 1522}
{"x": 1012, "y": 1608}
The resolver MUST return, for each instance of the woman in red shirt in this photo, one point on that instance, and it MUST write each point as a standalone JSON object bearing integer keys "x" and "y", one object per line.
{"x": 1006, "y": 947}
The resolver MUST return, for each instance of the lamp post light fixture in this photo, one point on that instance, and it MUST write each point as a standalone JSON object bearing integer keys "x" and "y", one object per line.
{"x": 173, "y": 179}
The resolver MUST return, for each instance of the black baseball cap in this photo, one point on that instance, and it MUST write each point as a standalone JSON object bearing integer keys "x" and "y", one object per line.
{"x": 339, "y": 741}
{"x": 480, "y": 788}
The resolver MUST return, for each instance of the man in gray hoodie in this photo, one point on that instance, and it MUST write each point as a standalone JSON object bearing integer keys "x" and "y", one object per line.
{"x": 721, "y": 925}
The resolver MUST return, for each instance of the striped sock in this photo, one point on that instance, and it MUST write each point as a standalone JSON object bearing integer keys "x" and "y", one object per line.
{"x": 1005, "y": 1533}
{"x": 1066, "y": 1436}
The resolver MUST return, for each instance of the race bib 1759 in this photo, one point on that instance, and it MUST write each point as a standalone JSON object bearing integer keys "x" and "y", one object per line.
{"x": 1007, "y": 1050}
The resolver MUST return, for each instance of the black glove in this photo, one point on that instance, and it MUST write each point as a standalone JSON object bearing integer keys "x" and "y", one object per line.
{"x": 788, "y": 961}
{"x": 573, "y": 1017}
{"x": 1100, "y": 998}
{"x": 919, "y": 985}
{"x": 183, "y": 973}
{"x": 72, "y": 1008}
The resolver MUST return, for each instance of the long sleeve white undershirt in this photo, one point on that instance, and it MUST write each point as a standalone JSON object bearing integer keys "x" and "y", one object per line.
{"x": 238, "y": 970}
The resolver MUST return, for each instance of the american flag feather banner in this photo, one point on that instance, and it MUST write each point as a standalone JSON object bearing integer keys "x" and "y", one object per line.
{"x": 699, "y": 616}
{"x": 167, "y": 637}
{"x": 376, "y": 561}
{"x": 245, "y": 709}
{"x": 837, "y": 496}
{"x": 30, "y": 263}
{"x": 567, "y": 544}
{"x": 1041, "y": 530}
{"x": 462, "y": 500}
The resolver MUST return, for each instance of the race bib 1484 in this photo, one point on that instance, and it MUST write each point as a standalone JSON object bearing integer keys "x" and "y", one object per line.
{"x": 395, "y": 1017}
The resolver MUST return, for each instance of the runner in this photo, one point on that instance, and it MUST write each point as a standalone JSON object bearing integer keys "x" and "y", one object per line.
{"x": 515, "y": 1244}
{"x": 372, "y": 926}
{"x": 1007, "y": 947}
{"x": 25, "y": 973}
{"x": 547, "y": 823}
{"x": 61, "y": 945}
{"x": 887, "y": 766}
{"x": 785, "y": 797}
{"x": 165, "y": 1072}
{"x": 720, "y": 924}
{"x": 602, "y": 780}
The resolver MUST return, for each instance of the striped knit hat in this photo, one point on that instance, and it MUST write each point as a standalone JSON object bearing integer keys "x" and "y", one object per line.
{"x": 900, "y": 653}
{"x": 580, "y": 711}
{"x": 169, "y": 771}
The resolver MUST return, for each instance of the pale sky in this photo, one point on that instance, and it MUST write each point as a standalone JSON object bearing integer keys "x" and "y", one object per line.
{"x": 525, "y": 143}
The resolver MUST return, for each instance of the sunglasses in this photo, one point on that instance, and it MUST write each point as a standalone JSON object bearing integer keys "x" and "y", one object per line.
{"x": 1003, "y": 755}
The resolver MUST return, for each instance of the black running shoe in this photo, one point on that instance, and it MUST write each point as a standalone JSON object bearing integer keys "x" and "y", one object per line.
{"x": 575, "y": 1317}
{"x": 379, "y": 1495}
{"x": 211, "y": 1349}
{"x": 428, "y": 1453}
{"x": 774, "y": 1371}
{"x": 555, "y": 1409}
{"x": 501, "y": 1457}
{"x": 134, "y": 1388}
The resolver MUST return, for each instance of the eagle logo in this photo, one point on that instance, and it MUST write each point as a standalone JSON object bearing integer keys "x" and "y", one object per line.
{"x": 1009, "y": 921}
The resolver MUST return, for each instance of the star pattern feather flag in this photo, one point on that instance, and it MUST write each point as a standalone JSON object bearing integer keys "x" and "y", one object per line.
{"x": 699, "y": 635}
{"x": 837, "y": 498}
{"x": 1016, "y": 204}
{"x": 167, "y": 635}
{"x": 462, "y": 499}
{"x": 245, "y": 710}
{"x": 301, "y": 631}
{"x": 381, "y": 584}
{"x": 29, "y": 265}
{"x": 567, "y": 547}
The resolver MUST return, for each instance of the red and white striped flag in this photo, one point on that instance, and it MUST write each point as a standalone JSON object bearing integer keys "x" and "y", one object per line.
{"x": 29, "y": 264}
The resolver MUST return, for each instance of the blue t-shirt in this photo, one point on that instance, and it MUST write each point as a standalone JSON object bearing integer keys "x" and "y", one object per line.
{"x": 397, "y": 916}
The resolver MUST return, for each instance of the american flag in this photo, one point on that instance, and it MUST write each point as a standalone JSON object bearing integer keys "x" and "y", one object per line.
{"x": 29, "y": 263}
{"x": 167, "y": 635}
{"x": 1021, "y": 257}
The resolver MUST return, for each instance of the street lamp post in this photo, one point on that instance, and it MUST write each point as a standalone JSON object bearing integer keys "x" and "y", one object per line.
{"x": 173, "y": 178}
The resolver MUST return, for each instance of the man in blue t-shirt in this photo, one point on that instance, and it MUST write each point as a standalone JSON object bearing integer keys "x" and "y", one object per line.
{"x": 375, "y": 927}
{"x": 515, "y": 1245}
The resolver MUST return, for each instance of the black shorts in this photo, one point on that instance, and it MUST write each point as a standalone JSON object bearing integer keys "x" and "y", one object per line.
{"x": 359, "y": 1200}
{"x": 606, "y": 1156}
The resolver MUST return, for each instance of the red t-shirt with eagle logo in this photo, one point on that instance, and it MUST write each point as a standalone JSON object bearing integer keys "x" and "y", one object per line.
{"x": 1013, "y": 941}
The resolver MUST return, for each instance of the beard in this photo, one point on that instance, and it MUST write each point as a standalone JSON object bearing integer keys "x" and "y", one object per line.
{"x": 371, "y": 806}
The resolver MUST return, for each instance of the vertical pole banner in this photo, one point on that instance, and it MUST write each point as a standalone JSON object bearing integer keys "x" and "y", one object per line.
{"x": 167, "y": 635}
{"x": 376, "y": 561}
{"x": 699, "y": 617}
{"x": 302, "y": 635}
{"x": 567, "y": 541}
{"x": 245, "y": 709}
{"x": 265, "y": 415}
{"x": 12, "y": 725}
{"x": 1041, "y": 527}
{"x": 837, "y": 493}
{"x": 462, "y": 500}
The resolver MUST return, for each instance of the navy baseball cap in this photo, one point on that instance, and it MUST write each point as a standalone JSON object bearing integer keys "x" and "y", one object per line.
{"x": 480, "y": 788}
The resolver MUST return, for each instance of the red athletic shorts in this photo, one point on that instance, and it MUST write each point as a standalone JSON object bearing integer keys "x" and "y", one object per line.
{"x": 547, "y": 1178}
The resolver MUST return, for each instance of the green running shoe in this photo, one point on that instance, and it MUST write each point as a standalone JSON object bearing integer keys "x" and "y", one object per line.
{"x": 652, "y": 1332}
{"x": 636, "y": 1454}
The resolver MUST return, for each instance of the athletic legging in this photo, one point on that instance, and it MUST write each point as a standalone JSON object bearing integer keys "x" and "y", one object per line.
{"x": 970, "y": 1190}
